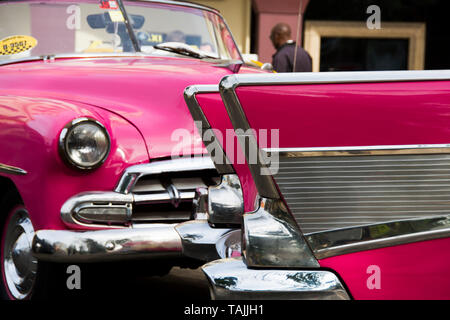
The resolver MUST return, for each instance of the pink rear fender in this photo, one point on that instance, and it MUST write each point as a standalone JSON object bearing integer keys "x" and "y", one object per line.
{"x": 316, "y": 118}
{"x": 30, "y": 130}
{"x": 338, "y": 115}
{"x": 412, "y": 271}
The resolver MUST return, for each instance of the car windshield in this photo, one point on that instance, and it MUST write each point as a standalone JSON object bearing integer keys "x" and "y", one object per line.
{"x": 42, "y": 28}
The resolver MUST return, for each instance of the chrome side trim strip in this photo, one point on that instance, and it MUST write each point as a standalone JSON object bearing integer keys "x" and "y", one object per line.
{"x": 360, "y": 150}
{"x": 337, "y": 242}
{"x": 12, "y": 170}
{"x": 230, "y": 279}
{"x": 238, "y": 80}
{"x": 190, "y": 96}
{"x": 133, "y": 173}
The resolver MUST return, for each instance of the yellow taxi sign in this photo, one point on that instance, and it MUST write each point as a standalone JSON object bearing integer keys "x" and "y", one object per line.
{"x": 16, "y": 44}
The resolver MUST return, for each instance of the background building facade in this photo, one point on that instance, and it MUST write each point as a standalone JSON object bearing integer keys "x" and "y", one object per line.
{"x": 414, "y": 34}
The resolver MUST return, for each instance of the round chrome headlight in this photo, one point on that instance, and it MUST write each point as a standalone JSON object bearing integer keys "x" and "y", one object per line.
{"x": 84, "y": 143}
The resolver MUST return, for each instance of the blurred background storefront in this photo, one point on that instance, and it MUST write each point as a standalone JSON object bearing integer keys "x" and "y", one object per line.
{"x": 414, "y": 34}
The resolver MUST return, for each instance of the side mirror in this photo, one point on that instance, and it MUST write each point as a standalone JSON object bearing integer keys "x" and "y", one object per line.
{"x": 267, "y": 67}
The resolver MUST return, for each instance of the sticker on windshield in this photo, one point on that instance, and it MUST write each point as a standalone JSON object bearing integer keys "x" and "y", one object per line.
{"x": 112, "y": 5}
{"x": 16, "y": 44}
{"x": 116, "y": 16}
{"x": 155, "y": 37}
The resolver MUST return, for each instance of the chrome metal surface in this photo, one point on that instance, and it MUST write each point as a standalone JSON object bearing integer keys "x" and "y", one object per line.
{"x": 226, "y": 202}
{"x": 194, "y": 239}
{"x": 18, "y": 265}
{"x": 326, "y": 193}
{"x": 229, "y": 245}
{"x": 62, "y": 143}
{"x": 257, "y": 163}
{"x": 200, "y": 204}
{"x": 72, "y": 216}
{"x": 271, "y": 238}
{"x": 161, "y": 191}
{"x": 337, "y": 242}
{"x": 174, "y": 194}
{"x": 230, "y": 279}
{"x": 222, "y": 163}
{"x": 12, "y": 170}
{"x": 159, "y": 240}
{"x": 267, "y": 79}
{"x": 133, "y": 173}
{"x": 360, "y": 150}
{"x": 199, "y": 239}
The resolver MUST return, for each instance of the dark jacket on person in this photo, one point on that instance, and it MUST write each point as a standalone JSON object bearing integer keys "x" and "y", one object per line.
{"x": 283, "y": 59}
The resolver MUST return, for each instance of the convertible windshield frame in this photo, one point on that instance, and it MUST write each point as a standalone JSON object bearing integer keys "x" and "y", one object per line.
{"x": 123, "y": 4}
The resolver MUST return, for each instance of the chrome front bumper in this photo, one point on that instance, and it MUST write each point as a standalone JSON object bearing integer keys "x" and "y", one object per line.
{"x": 228, "y": 278}
{"x": 193, "y": 239}
{"x": 106, "y": 245}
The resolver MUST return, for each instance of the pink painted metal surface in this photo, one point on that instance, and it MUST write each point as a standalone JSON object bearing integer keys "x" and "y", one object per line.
{"x": 215, "y": 112}
{"x": 138, "y": 99}
{"x": 30, "y": 129}
{"x": 337, "y": 115}
{"x": 407, "y": 272}
{"x": 146, "y": 91}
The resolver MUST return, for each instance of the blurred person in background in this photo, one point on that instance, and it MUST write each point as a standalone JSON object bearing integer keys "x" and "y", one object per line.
{"x": 283, "y": 59}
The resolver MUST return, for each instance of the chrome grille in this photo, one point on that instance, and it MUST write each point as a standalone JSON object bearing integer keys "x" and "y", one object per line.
{"x": 334, "y": 192}
{"x": 153, "y": 201}
{"x": 161, "y": 191}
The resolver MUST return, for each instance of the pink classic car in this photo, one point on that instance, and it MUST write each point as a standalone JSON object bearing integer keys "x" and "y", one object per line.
{"x": 94, "y": 166}
{"x": 130, "y": 130}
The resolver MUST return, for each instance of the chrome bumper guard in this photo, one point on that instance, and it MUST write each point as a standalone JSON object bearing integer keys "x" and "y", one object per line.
{"x": 231, "y": 279}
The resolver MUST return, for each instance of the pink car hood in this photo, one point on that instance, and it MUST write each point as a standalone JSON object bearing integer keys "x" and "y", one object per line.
{"x": 147, "y": 91}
